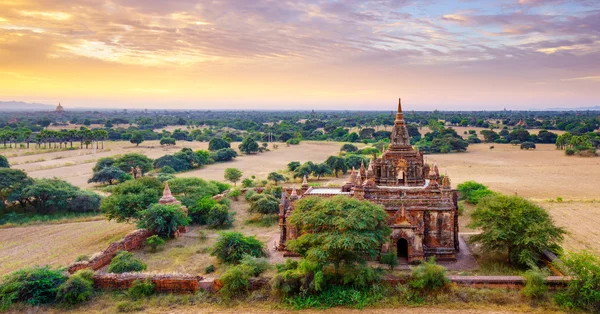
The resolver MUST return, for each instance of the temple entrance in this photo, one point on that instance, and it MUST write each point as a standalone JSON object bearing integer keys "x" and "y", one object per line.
{"x": 402, "y": 250}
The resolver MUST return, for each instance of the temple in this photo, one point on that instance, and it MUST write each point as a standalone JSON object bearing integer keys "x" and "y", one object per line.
{"x": 59, "y": 109}
{"x": 422, "y": 206}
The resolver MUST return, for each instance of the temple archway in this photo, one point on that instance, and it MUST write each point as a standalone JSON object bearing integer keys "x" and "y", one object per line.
{"x": 402, "y": 248}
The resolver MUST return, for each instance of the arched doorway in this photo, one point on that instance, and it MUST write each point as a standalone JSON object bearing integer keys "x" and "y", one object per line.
{"x": 402, "y": 248}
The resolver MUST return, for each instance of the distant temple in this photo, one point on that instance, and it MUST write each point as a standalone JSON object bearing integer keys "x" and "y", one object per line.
{"x": 422, "y": 207}
{"x": 59, "y": 109}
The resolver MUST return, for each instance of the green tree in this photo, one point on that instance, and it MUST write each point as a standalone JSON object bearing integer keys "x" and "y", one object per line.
{"x": 130, "y": 162}
{"x": 137, "y": 138}
{"x": 4, "y": 162}
{"x": 275, "y": 177}
{"x": 338, "y": 230}
{"x": 167, "y": 141}
{"x": 50, "y": 195}
{"x": 264, "y": 204}
{"x": 12, "y": 183}
{"x": 320, "y": 170}
{"x": 349, "y": 148}
{"x": 292, "y": 166}
{"x": 217, "y": 143}
{"x": 517, "y": 226}
{"x": 233, "y": 175}
{"x": 163, "y": 220}
{"x": 130, "y": 198}
{"x": 232, "y": 246}
{"x": 108, "y": 175}
{"x": 337, "y": 164}
{"x": 248, "y": 146}
{"x": 103, "y": 162}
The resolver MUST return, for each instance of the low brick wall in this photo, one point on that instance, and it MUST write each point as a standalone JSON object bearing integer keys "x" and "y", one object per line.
{"x": 180, "y": 283}
{"x": 130, "y": 242}
{"x": 509, "y": 282}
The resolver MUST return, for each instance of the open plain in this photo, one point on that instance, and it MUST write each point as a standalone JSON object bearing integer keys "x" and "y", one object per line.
{"x": 542, "y": 175}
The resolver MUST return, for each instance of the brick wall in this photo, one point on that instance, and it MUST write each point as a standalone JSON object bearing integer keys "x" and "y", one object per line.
{"x": 181, "y": 283}
{"x": 130, "y": 242}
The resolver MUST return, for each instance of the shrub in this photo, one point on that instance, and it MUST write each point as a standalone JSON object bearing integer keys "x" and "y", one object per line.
{"x": 221, "y": 187}
{"x": 293, "y": 141}
{"x": 4, "y": 162}
{"x": 535, "y": 284}
{"x": 472, "y": 191}
{"x": 232, "y": 246}
{"x": 219, "y": 217}
{"x": 141, "y": 288}
{"x": 570, "y": 152}
{"x": 209, "y": 269}
{"x": 293, "y": 278}
{"x": 78, "y": 288}
{"x": 82, "y": 258}
{"x": 264, "y": 204}
{"x": 235, "y": 282}
{"x": 584, "y": 292}
{"x": 349, "y": 148}
{"x": 235, "y": 194}
{"x": 256, "y": 265}
{"x": 154, "y": 242}
{"x": 249, "y": 194}
{"x": 164, "y": 220}
{"x": 528, "y": 145}
{"x": 428, "y": 277}
{"x": 390, "y": 259}
{"x": 199, "y": 212}
{"x": 37, "y": 285}
{"x": 125, "y": 262}
{"x": 167, "y": 170}
{"x": 247, "y": 183}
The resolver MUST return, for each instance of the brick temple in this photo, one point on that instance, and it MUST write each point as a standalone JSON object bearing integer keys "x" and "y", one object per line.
{"x": 422, "y": 206}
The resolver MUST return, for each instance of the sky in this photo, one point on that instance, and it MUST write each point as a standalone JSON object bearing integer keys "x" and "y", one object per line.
{"x": 312, "y": 54}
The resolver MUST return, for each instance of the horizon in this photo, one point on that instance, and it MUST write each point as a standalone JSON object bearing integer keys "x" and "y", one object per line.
{"x": 332, "y": 55}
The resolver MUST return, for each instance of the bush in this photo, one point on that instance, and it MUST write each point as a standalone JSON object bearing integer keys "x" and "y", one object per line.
{"x": 235, "y": 194}
{"x": 141, "y": 288}
{"x": 264, "y": 204}
{"x": 167, "y": 170}
{"x": 164, "y": 220}
{"x": 4, "y": 162}
{"x": 390, "y": 259}
{"x": 528, "y": 145}
{"x": 428, "y": 277}
{"x": 570, "y": 152}
{"x": 199, "y": 212}
{"x": 235, "y": 282}
{"x": 535, "y": 284}
{"x": 209, "y": 269}
{"x": 247, "y": 183}
{"x": 294, "y": 278}
{"x": 78, "y": 288}
{"x": 232, "y": 246}
{"x": 584, "y": 292}
{"x": 221, "y": 187}
{"x": 37, "y": 285}
{"x": 293, "y": 141}
{"x": 154, "y": 242}
{"x": 249, "y": 194}
{"x": 219, "y": 217}
{"x": 349, "y": 148}
{"x": 256, "y": 265}
{"x": 125, "y": 262}
{"x": 472, "y": 191}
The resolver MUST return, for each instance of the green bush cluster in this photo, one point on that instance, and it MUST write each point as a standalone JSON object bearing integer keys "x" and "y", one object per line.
{"x": 154, "y": 242}
{"x": 472, "y": 191}
{"x": 428, "y": 277}
{"x": 535, "y": 284}
{"x": 232, "y": 246}
{"x": 77, "y": 289}
{"x": 35, "y": 286}
{"x": 163, "y": 220}
{"x": 125, "y": 262}
{"x": 141, "y": 288}
{"x": 583, "y": 293}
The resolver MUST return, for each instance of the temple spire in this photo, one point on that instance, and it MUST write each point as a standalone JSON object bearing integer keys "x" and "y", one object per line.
{"x": 399, "y": 105}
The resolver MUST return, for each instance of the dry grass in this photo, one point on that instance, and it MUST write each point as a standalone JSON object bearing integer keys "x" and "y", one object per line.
{"x": 190, "y": 253}
{"x": 55, "y": 244}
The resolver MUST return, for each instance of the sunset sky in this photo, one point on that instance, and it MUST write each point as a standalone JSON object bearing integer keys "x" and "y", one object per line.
{"x": 315, "y": 54}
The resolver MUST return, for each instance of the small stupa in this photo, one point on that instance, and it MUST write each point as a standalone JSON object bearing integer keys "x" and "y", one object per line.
{"x": 169, "y": 199}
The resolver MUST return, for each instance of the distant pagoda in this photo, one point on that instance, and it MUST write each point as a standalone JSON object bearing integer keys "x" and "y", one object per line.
{"x": 59, "y": 109}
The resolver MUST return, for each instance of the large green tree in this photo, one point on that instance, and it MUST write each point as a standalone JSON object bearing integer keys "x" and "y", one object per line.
{"x": 164, "y": 220}
{"x": 137, "y": 138}
{"x": 275, "y": 177}
{"x": 338, "y": 230}
{"x": 516, "y": 226}
{"x": 130, "y": 198}
{"x": 108, "y": 175}
{"x": 337, "y": 164}
{"x": 12, "y": 183}
{"x": 248, "y": 146}
{"x": 217, "y": 143}
{"x": 130, "y": 162}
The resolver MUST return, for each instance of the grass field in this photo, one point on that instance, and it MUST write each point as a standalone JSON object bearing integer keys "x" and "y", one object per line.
{"x": 55, "y": 244}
